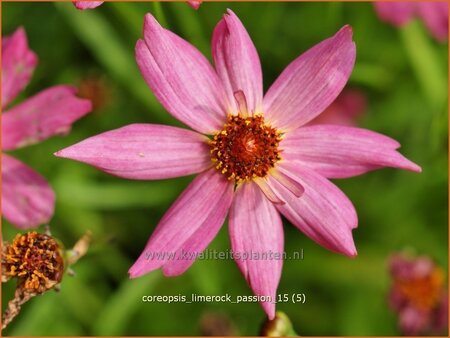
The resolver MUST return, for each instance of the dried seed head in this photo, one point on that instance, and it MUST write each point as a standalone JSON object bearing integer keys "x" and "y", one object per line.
{"x": 245, "y": 148}
{"x": 35, "y": 259}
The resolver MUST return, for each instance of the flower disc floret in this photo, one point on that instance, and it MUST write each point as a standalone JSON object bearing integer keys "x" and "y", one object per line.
{"x": 245, "y": 148}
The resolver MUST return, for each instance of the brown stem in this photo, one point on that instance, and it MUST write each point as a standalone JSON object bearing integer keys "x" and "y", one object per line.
{"x": 79, "y": 249}
{"x": 14, "y": 305}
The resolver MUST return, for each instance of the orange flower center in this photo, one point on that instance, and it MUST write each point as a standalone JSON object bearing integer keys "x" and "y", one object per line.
{"x": 245, "y": 148}
{"x": 424, "y": 292}
{"x": 35, "y": 259}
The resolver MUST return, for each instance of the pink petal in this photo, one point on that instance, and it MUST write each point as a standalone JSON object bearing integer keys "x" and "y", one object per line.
{"x": 237, "y": 62}
{"x": 195, "y": 4}
{"x": 395, "y": 12}
{"x": 311, "y": 82}
{"x": 190, "y": 224}
{"x": 413, "y": 321}
{"x": 50, "y": 112}
{"x": 256, "y": 229}
{"x": 267, "y": 189}
{"x": 87, "y": 4}
{"x": 290, "y": 183}
{"x": 27, "y": 199}
{"x": 323, "y": 212}
{"x": 144, "y": 152}
{"x": 340, "y": 152}
{"x": 284, "y": 178}
{"x": 18, "y": 65}
{"x": 435, "y": 17}
{"x": 181, "y": 78}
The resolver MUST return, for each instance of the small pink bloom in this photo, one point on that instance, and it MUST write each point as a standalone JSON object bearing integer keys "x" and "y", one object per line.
{"x": 434, "y": 15}
{"x": 260, "y": 160}
{"x": 345, "y": 110}
{"x": 27, "y": 199}
{"x": 418, "y": 295}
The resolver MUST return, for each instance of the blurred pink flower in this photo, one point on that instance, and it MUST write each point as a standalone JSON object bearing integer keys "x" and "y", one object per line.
{"x": 434, "y": 15}
{"x": 418, "y": 295}
{"x": 93, "y": 4}
{"x": 345, "y": 110}
{"x": 27, "y": 199}
{"x": 259, "y": 161}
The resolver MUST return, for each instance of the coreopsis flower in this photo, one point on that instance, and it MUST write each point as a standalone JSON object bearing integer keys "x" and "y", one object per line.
{"x": 254, "y": 158}
{"x": 93, "y": 4}
{"x": 27, "y": 198}
{"x": 345, "y": 110}
{"x": 434, "y": 15}
{"x": 38, "y": 262}
{"x": 418, "y": 295}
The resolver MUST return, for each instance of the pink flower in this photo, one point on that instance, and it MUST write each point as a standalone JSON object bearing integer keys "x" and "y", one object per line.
{"x": 418, "y": 295}
{"x": 257, "y": 162}
{"x": 93, "y": 4}
{"x": 27, "y": 199}
{"x": 434, "y": 15}
{"x": 345, "y": 110}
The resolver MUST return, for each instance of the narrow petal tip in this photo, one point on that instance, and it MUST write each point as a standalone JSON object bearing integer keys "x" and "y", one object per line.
{"x": 415, "y": 168}
{"x": 269, "y": 308}
{"x": 229, "y": 13}
{"x": 403, "y": 163}
{"x": 82, "y": 5}
{"x": 352, "y": 253}
{"x": 150, "y": 21}
{"x": 59, "y": 153}
{"x": 348, "y": 29}
{"x": 132, "y": 274}
{"x": 137, "y": 269}
{"x": 64, "y": 153}
{"x": 195, "y": 4}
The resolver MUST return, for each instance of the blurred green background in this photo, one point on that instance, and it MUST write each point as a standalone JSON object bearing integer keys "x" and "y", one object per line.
{"x": 402, "y": 72}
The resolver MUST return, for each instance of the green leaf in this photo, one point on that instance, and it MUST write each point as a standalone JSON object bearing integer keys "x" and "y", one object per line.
{"x": 123, "y": 304}
{"x": 117, "y": 58}
{"x": 426, "y": 63}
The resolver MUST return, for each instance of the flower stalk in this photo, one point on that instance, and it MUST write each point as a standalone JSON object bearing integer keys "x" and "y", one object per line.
{"x": 38, "y": 262}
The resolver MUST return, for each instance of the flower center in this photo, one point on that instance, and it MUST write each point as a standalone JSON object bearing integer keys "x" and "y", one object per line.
{"x": 424, "y": 292}
{"x": 35, "y": 259}
{"x": 246, "y": 148}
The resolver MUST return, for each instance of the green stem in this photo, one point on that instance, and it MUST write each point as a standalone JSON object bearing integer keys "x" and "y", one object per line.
{"x": 159, "y": 13}
{"x": 115, "y": 55}
{"x": 131, "y": 17}
{"x": 426, "y": 63}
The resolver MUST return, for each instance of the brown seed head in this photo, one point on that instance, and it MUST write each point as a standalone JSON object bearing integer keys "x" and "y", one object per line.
{"x": 35, "y": 259}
